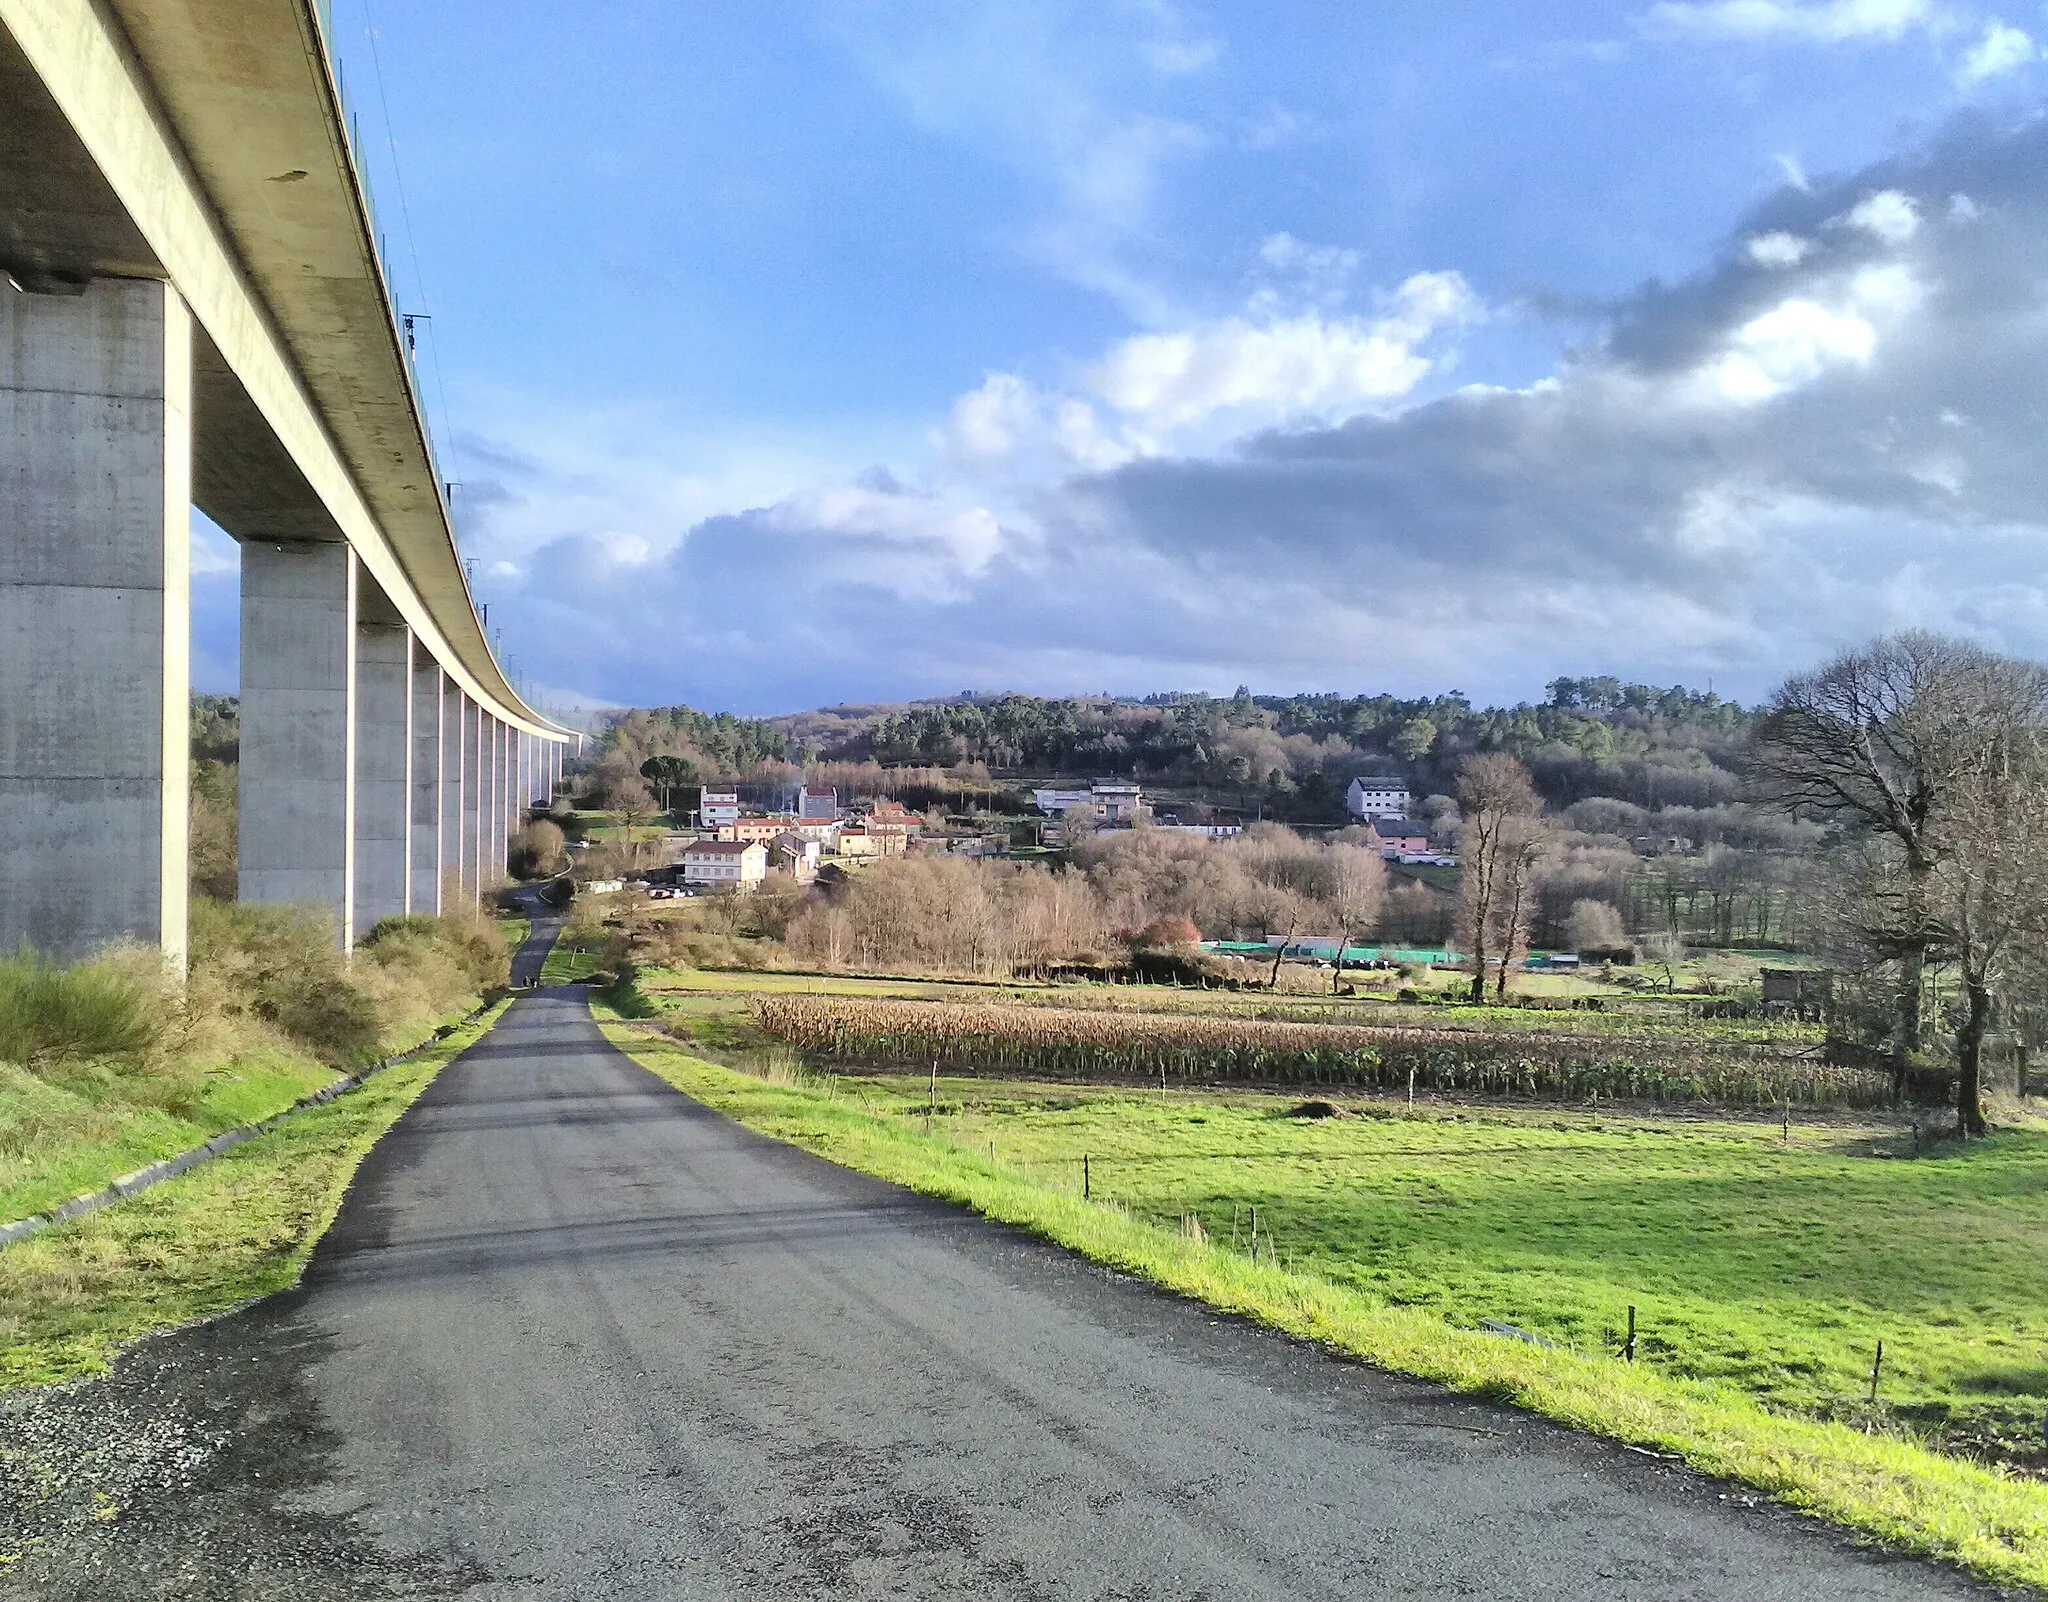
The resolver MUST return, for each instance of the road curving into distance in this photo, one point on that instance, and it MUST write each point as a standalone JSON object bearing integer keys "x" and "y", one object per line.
{"x": 574, "y": 1336}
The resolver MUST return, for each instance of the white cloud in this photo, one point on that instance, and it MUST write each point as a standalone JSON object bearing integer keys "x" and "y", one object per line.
{"x": 1887, "y": 215}
{"x": 1195, "y": 388}
{"x": 1777, "y": 249}
{"x": 1835, "y": 21}
{"x": 1286, "y": 368}
{"x": 2000, "y": 50}
{"x": 1800, "y": 338}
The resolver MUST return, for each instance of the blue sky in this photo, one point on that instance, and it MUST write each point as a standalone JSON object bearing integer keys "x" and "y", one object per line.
{"x": 864, "y": 350}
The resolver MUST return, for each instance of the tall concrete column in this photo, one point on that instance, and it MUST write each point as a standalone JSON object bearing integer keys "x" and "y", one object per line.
{"x": 488, "y": 834}
{"x": 427, "y": 784}
{"x": 383, "y": 772}
{"x": 455, "y": 782}
{"x": 472, "y": 795}
{"x": 298, "y": 781}
{"x": 95, "y": 616}
{"x": 501, "y": 795}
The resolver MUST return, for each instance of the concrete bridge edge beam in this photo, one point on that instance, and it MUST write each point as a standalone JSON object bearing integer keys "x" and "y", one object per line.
{"x": 95, "y": 617}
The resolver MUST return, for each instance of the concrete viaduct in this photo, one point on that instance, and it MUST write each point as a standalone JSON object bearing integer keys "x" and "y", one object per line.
{"x": 195, "y": 312}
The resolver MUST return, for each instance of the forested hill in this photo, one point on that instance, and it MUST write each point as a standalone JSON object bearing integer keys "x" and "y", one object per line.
{"x": 1597, "y": 736}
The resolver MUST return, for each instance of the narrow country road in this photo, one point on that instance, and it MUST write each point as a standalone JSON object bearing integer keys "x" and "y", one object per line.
{"x": 575, "y": 1337}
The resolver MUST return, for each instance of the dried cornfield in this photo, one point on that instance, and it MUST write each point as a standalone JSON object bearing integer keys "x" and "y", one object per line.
{"x": 1028, "y": 1042}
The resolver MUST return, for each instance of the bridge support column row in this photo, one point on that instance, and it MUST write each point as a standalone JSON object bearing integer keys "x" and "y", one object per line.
{"x": 367, "y": 777}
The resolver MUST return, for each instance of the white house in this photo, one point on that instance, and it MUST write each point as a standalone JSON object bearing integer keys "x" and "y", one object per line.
{"x": 718, "y": 807}
{"x": 725, "y": 864}
{"x": 1377, "y": 798}
{"x": 1114, "y": 801}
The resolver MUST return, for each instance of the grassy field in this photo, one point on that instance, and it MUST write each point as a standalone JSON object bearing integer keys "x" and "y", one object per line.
{"x": 1762, "y": 1272}
{"x": 1769, "y": 1259}
{"x": 196, "y": 1246}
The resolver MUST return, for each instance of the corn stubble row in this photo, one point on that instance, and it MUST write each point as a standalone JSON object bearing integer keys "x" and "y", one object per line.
{"x": 1038, "y": 1041}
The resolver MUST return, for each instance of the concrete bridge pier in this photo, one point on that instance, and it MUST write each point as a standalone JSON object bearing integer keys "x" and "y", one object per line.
{"x": 383, "y": 811}
{"x": 95, "y": 496}
{"x": 456, "y": 784}
{"x": 429, "y": 784}
{"x": 298, "y": 783}
{"x": 472, "y": 793}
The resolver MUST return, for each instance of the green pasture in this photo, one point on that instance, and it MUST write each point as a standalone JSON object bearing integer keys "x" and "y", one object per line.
{"x": 1768, "y": 1259}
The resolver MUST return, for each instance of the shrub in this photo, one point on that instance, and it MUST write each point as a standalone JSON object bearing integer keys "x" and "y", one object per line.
{"x": 110, "y": 1007}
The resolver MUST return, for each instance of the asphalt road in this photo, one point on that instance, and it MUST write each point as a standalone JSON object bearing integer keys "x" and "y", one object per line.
{"x": 543, "y": 924}
{"x": 574, "y": 1336}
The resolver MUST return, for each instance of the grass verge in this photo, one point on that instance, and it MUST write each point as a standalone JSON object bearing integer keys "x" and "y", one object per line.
{"x": 1983, "y": 1519}
{"x": 240, "y": 1226}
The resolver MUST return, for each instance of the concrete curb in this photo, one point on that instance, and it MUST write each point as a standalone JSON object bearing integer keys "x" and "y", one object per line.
{"x": 170, "y": 1167}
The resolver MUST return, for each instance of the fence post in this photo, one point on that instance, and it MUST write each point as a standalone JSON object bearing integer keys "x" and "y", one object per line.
{"x": 1628, "y": 1350}
{"x": 1086, "y": 1184}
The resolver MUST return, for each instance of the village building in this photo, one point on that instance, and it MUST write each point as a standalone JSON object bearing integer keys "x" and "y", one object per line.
{"x": 1117, "y": 802}
{"x": 856, "y": 840}
{"x": 756, "y": 827}
{"x": 795, "y": 856}
{"x": 725, "y": 864}
{"x": 818, "y": 803}
{"x": 1378, "y": 798}
{"x": 1399, "y": 837}
{"x": 716, "y": 808}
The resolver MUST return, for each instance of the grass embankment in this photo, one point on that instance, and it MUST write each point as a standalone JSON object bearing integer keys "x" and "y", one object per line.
{"x": 240, "y": 1226}
{"x": 1390, "y": 1231}
{"x": 106, "y": 1066}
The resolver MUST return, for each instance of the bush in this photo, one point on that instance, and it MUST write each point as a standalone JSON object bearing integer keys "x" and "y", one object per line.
{"x": 50, "y": 1016}
{"x": 280, "y": 967}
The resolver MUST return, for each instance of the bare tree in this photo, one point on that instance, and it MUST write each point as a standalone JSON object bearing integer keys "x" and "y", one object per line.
{"x": 1595, "y": 926}
{"x": 1985, "y": 905}
{"x": 1500, "y": 806}
{"x": 630, "y": 798}
{"x": 1874, "y": 742}
{"x": 1526, "y": 842}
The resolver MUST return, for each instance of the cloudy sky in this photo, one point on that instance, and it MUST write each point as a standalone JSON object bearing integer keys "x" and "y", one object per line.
{"x": 864, "y": 349}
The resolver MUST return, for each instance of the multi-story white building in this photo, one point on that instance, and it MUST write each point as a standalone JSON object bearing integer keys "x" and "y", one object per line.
{"x": 1115, "y": 801}
{"x": 1377, "y": 798}
{"x": 717, "y": 807}
{"x": 725, "y": 864}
